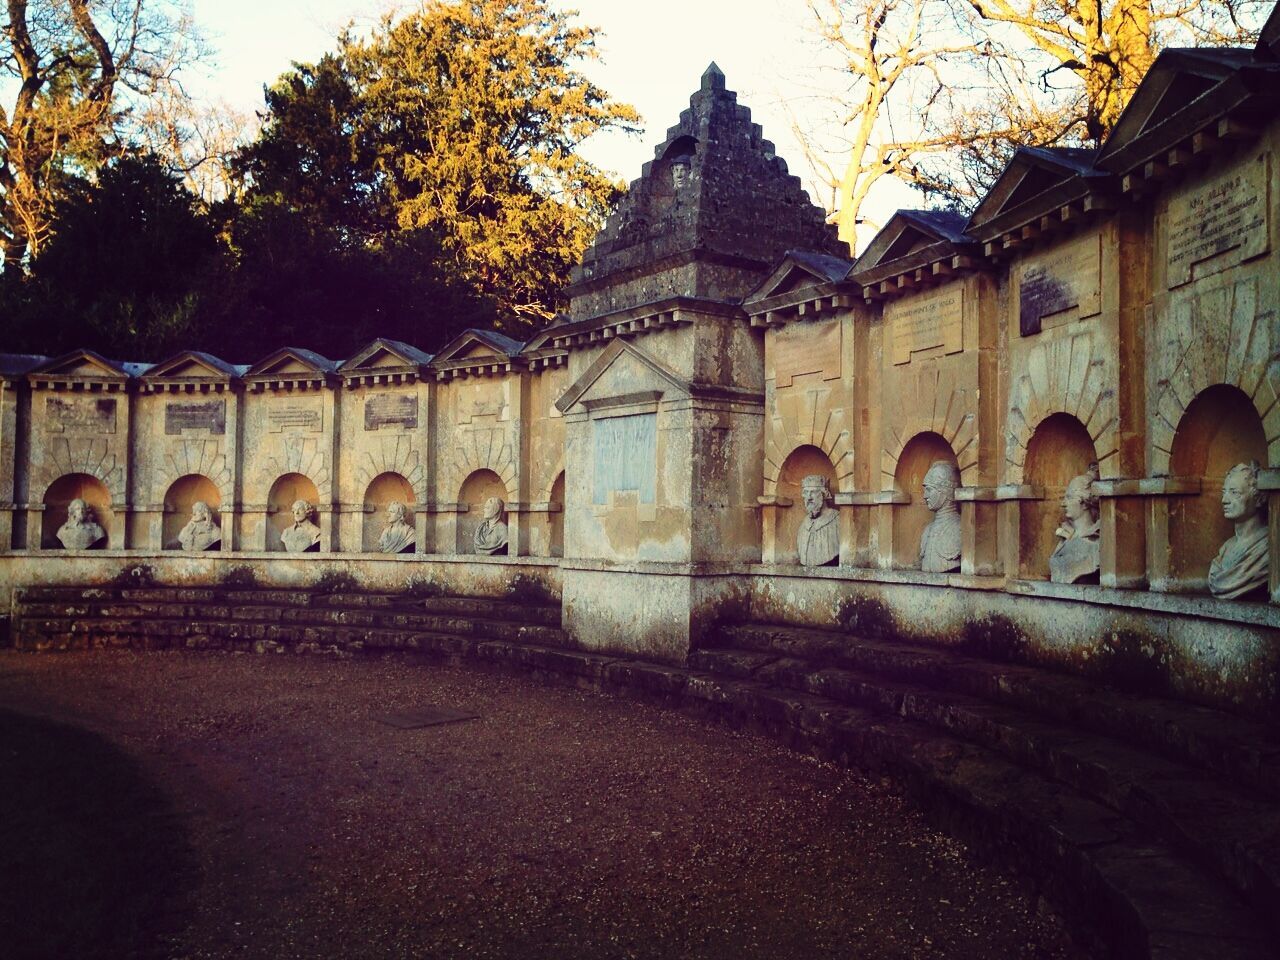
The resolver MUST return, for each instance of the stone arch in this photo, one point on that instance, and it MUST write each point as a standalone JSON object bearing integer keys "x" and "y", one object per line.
{"x": 1067, "y": 376}
{"x": 380, "y": 491}
{"x": 59, "y": 494}
{"x": 1222, "y": 336}
{"x": 303, "y": 456}
{"x": 285, "y": 490}
{"x": 484, "y": 449}
{"x": 807, "y": 428}
{"x": 82, "y": 456}
{"x": 396, "y": 455}
{"x": 1060, "y": 449}
{"x": 178, "y": 499}
{"x": 950, "y": 416}
{"x": 918, "y": 454}
{"x": 196, "y": 457}
{"x": 804, "y": 459}
{"x": 478, "y": 487}
{"x": 1219, "y": 428}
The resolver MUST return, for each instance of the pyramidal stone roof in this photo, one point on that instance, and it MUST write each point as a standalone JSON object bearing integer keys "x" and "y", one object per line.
{"x": 708, "y": 218}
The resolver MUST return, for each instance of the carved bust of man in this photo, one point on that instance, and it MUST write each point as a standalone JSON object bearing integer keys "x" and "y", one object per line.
{"x": 81, "y": 531}
{"x": 940, "y": 542}
{"x": 1241, "y": 567}
{"x": 301, "y": 536}
{"x": 818, "y": 539}
{"x": 491, "y": 535}
{"x": 1076, "y": 557}
{"x": 397, "y": 535}
{"x": 200, "y": 533}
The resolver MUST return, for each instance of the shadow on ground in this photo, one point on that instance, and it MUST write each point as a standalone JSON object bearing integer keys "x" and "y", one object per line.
{"x": 93, "y": 858}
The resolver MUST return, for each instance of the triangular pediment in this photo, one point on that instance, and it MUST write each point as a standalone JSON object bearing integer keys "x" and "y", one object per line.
{"x": 623, "y": 372}
{"x": 386, "y": 354}
{"x": 798, "y": 270}
{"x": 291, "y": 362}
{"x": 1030, "y": 172}
{"x": 82, "y": 363}
{"x": 478, "y": 345}
{"x": 191, "y": 365}
{"x": 909, "y": 232}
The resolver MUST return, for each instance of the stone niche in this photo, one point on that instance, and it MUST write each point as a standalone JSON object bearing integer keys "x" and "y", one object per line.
{"x": 1060, "y": 450}
{"x": 479, "y": 486}
{"x": 184, "y": 492}
{"x": 74, "y": 486}
{"x": 285, "y": 492}
{"x": 910, "y": 519}
{"x": 804, "y": 461}
{"x": 384, "y": 489}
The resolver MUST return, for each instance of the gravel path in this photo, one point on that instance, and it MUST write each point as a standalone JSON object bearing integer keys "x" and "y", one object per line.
{"x": 175, "y": 805}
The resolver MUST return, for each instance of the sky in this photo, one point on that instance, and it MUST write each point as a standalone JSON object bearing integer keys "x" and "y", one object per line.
{"x": 654, "y": 53}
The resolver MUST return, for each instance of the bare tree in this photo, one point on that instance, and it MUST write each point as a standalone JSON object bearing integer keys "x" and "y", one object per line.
{"x": 79, "y": 70}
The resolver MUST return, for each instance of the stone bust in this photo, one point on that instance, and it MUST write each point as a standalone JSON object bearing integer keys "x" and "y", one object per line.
{"x": 940, "y": 542}
{"x": 301, "y": 536}
{"x": 1076, "y": 557}
{"x": 200, "y": 533}
{"x": 81, "y": 531}
{"x": 491, "y": 534}
{"x": 398, "y": 535}
{"x": 1241, "y": 567}
{"x": 818, "y": 539}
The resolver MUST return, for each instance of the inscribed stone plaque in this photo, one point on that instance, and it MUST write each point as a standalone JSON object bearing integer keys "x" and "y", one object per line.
{"x": 208, "y": 415}
{"x": 390, "y": 409}
{"x": 80, "y": 415}
{"x": 1061, "y": 285}
{"x": 302, "y": 416}
{"x": 481, "y": 398}
{"x": 927, "y": 320}
{"x": 1227, "y": 213}
{"x": 626, "y": 456}
{"x": 802, "y": 348}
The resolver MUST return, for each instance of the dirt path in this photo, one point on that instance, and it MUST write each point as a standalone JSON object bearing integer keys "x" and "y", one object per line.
{"x": 173, "y": 805}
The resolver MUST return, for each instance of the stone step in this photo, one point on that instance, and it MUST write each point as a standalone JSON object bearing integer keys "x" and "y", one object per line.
{"x": 1243, "y": 750}
{"x": 1233, "y": 832}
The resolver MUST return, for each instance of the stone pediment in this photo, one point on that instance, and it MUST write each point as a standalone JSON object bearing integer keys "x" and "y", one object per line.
{"x": 1030, "y": 173}
{"x": 85, "y": 366}
{"x": 292, "y": 363}
{"x": 191, "y": 365}
{"x": 478, "y": 344}
{"x": 623, "y": 373}
{"x": 384, "y": 354}
{"x": 910, "y": 238}
{"x": 800, "y": 270}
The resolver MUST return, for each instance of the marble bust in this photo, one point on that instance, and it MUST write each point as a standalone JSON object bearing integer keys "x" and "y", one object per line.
{"x": 1241, "y": 567}
{"x": 491, "y": 534}
{"x": 1076, "y": 557}
{"x": 301, "y": 536}
{"x": 818, "y": 539}
{"x": 81, "y": 531}
{"x": 397, "y": 535}
{"x": 940, "y": 542}
{"x": 200, "y": 533}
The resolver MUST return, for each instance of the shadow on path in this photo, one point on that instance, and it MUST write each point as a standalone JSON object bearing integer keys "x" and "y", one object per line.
{"x": 94, "y": 861}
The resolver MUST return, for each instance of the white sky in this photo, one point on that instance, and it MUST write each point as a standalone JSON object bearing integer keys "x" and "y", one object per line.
{"x": 654, "y": 54}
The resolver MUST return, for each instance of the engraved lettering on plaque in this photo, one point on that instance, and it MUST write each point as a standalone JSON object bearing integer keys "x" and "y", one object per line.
{"x": 926, "y": 321}
{"x": 80, "y": 415}
{"x": 1227, "y": 214}
{"x": 208, "y": 415}
{"x": 625, "y": 456}
{"x": 1062, "y": 285}
{"x": 802, "y": 348}
{"x": 295, "y": 416}
{"x": 390, "y": 410}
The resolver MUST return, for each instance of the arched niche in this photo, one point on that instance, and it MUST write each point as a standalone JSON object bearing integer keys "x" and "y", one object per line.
{"x": 382, "y": 490}
{"x": 479, "y": 486}
{"x": 286, "y": 491}
{"x": 555, "y": 546}
{"x": 1059, "y": 449}
{"x": 800, "y": 463}
{"x": 74, "y": 486}
{"x": 910, "y": 519}
{"x": 182, "y": 493}
{"x": 1219, "y": 429}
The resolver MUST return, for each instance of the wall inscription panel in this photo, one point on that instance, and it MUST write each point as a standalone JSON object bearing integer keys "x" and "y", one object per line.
{"x": 295, "y": 416}
{"x": 625, "y": 456}
{"x": 80, "y": 416}
{"x": 803, "y": 348}
{"x": 390, "y": 410}
{"x": 208, "y": 415}
{"x": 1225, "y": 214}
{"x": 925, "y": 321}
{"x": 1061, "y": 285}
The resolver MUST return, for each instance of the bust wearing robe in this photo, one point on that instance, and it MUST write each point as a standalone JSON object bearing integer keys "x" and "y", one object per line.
{"x": 1242, "y": 566}
{"x": 940, "y": 542}
{"x": 1076, "y": 557}
{"x": 81, "y": 531}
{"x": 200, "y": 533}
{"x": 301, "y": 536}
{"x": 398, "y": 535}
{"x": 491, "y": 534}
{"x": 818, "y": 539}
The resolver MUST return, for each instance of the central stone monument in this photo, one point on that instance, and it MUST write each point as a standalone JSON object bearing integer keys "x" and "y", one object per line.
{"x": 666, "y": 411}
